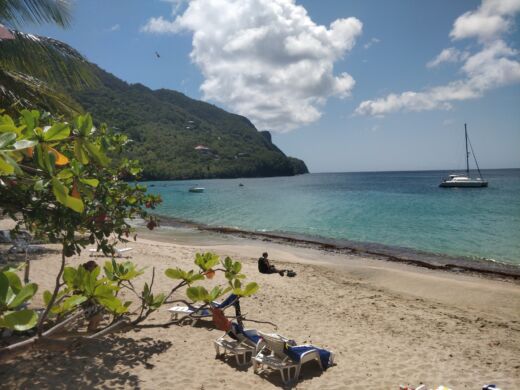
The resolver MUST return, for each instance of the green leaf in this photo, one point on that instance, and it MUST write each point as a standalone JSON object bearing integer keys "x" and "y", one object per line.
{"x": 19, "y": 320}
{"x": 69, "y": 276}
{"x": 7, "y": 139}
{"x": 104, "y": 291}
{"x": 251, "y": 288}
{"x": 90, "y": 182}
{"x": 30, "y": 123}
{"x": 215, "y": 293}
{"x": 206, "y": 261}
{"x": 5, "y": 168}
{"x": 158, "y": 300}
{"x": 80, "y": 152}
{"x": 60, "y": 191}
{"x": 26, "y": 293}
{"x": 198, "y": 293}
{"x": 47, "y": 297}
{"x": 14, "y": 281}
{"x": 113, "y": 304}
{"x": 84, "y": 124}
{"x": 56, "y": 132}
{"x": 4, "y": 285}
{"x": 73, "y": 301}
{"x": 10, "y": 128}
{"x": 7, "y": 125}
{"x": 96, "y": 153}
{"x": 65, "y": 174}
{"x": 75, "y": 204}
{"x": 175, "y": 273}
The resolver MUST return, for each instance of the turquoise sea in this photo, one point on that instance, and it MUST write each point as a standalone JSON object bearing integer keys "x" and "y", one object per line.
{"x": 405, "y": 210}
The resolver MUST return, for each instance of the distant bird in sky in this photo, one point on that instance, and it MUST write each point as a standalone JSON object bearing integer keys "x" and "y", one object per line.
{"x": 158, "y": 55}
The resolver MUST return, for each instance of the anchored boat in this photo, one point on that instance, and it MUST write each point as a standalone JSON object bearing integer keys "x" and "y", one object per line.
{"x": 458, "y": 180}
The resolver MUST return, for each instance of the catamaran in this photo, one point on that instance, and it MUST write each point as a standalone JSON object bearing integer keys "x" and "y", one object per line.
{"x": 457, "y": 180}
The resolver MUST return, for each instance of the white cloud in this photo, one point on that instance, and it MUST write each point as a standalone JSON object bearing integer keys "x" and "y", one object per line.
{"x": 450, "y": 54}
{"x": 115, "y": 27}
{"x": 372, "y": 42}
{"x": 265, "y": 59}
{"x": 495, "y": 65}
{"x": 490, "y": 20}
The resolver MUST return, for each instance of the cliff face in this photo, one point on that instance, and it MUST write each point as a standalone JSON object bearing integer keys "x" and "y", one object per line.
{"x": 176, "y": 137}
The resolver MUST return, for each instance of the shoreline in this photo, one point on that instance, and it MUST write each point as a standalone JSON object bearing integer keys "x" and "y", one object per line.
{"x": 408, "y": 256}
{"x": 388, "y": 323}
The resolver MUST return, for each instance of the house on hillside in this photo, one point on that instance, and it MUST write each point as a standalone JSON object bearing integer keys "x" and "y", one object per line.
{"x": 205, "y": 151}
{"x": 242, "y": 155}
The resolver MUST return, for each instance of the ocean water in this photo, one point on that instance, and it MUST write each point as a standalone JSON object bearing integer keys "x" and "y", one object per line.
{"x": 395, "y": 209}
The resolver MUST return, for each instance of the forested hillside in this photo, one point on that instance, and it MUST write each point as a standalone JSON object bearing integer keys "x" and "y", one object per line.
{"x": 176, "y": 137}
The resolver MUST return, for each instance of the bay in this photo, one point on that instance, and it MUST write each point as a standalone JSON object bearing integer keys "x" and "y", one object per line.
{"x": 396, "y": 209}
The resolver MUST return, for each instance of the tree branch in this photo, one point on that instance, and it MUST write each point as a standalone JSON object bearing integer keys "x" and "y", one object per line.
{"x": 54, "y": 295}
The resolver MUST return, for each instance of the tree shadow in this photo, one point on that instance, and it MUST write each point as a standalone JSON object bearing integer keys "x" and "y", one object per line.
{"x": 36, "y": 252}
{"x": 103, "y": 363}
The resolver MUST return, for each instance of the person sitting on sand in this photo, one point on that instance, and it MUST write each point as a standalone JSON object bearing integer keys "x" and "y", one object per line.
{"x": 265, "y": 268}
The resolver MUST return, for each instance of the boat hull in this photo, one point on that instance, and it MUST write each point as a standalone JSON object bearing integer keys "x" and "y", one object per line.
{"x": 467, "y": 184}
{"x": 197, "y": 190}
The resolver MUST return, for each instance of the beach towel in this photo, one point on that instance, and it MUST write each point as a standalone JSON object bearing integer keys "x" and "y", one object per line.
{"x": 220, "y": 320}
{"x": 295, "y": 353}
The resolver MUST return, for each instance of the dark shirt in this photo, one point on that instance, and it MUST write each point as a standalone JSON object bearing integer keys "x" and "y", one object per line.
{"x": 263, "y": 265}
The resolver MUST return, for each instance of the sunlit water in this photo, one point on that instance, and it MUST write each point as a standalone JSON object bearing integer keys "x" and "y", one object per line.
{"x": 400, "y": 209}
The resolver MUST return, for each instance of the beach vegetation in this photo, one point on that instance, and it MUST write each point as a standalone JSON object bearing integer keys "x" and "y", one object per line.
{"x": 207, "y": 263}
{"x": 63, "y": 182}
{"x": 14, "y": 297}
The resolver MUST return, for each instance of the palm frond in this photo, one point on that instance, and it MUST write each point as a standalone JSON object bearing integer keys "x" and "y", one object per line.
{"x": 19, "y": 91}
{"x": 17, "y": 12}
{"x": 46, "y": 59}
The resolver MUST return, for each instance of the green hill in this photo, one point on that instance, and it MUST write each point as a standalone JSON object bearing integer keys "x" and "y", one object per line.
{"x": 173, "y": 136}
{"x": 166, "y": 128}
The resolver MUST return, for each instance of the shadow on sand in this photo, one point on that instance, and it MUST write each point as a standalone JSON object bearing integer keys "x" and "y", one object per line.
{"x": 309, "y": 371}
{"x": 103, "y": 363}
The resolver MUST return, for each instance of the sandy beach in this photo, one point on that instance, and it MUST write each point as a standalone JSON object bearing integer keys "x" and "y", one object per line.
{"x": 388, "y": 324}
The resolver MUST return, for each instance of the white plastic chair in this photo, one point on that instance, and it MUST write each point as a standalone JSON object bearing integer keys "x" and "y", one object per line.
{"x": 244, "y": 344}
{"x": 272, "y": 354}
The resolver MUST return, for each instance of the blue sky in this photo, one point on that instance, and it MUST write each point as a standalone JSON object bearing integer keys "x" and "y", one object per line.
{"x": 349, "y": 86}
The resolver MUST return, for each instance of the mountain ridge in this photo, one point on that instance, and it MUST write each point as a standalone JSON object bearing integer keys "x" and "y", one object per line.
{"x": 167, "y": 126}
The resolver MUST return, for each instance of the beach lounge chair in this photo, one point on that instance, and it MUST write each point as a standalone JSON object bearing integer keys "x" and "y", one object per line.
{"x": 239, "y": 342}
{"x": 119, "y": 252}
{"x": 197, "y": 312}
{"x": 280, "y": 353}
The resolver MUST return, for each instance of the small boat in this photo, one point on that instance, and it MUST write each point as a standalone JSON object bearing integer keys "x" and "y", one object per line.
{"x": 196, "y": 189}
{"x": 458, "y": 180}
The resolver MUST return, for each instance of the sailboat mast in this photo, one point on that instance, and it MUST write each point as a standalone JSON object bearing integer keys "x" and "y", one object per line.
{"x": 467, "y": 153}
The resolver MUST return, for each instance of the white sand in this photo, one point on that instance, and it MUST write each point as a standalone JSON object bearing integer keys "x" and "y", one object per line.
{"x": 388, "y": 324}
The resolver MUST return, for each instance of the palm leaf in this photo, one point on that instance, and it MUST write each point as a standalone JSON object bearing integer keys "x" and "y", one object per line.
{"x": 37, "y": 72}
{"x": 18, "y": 12}
{"x": 46, "y": 59}
{"x": 19, "y": 91}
